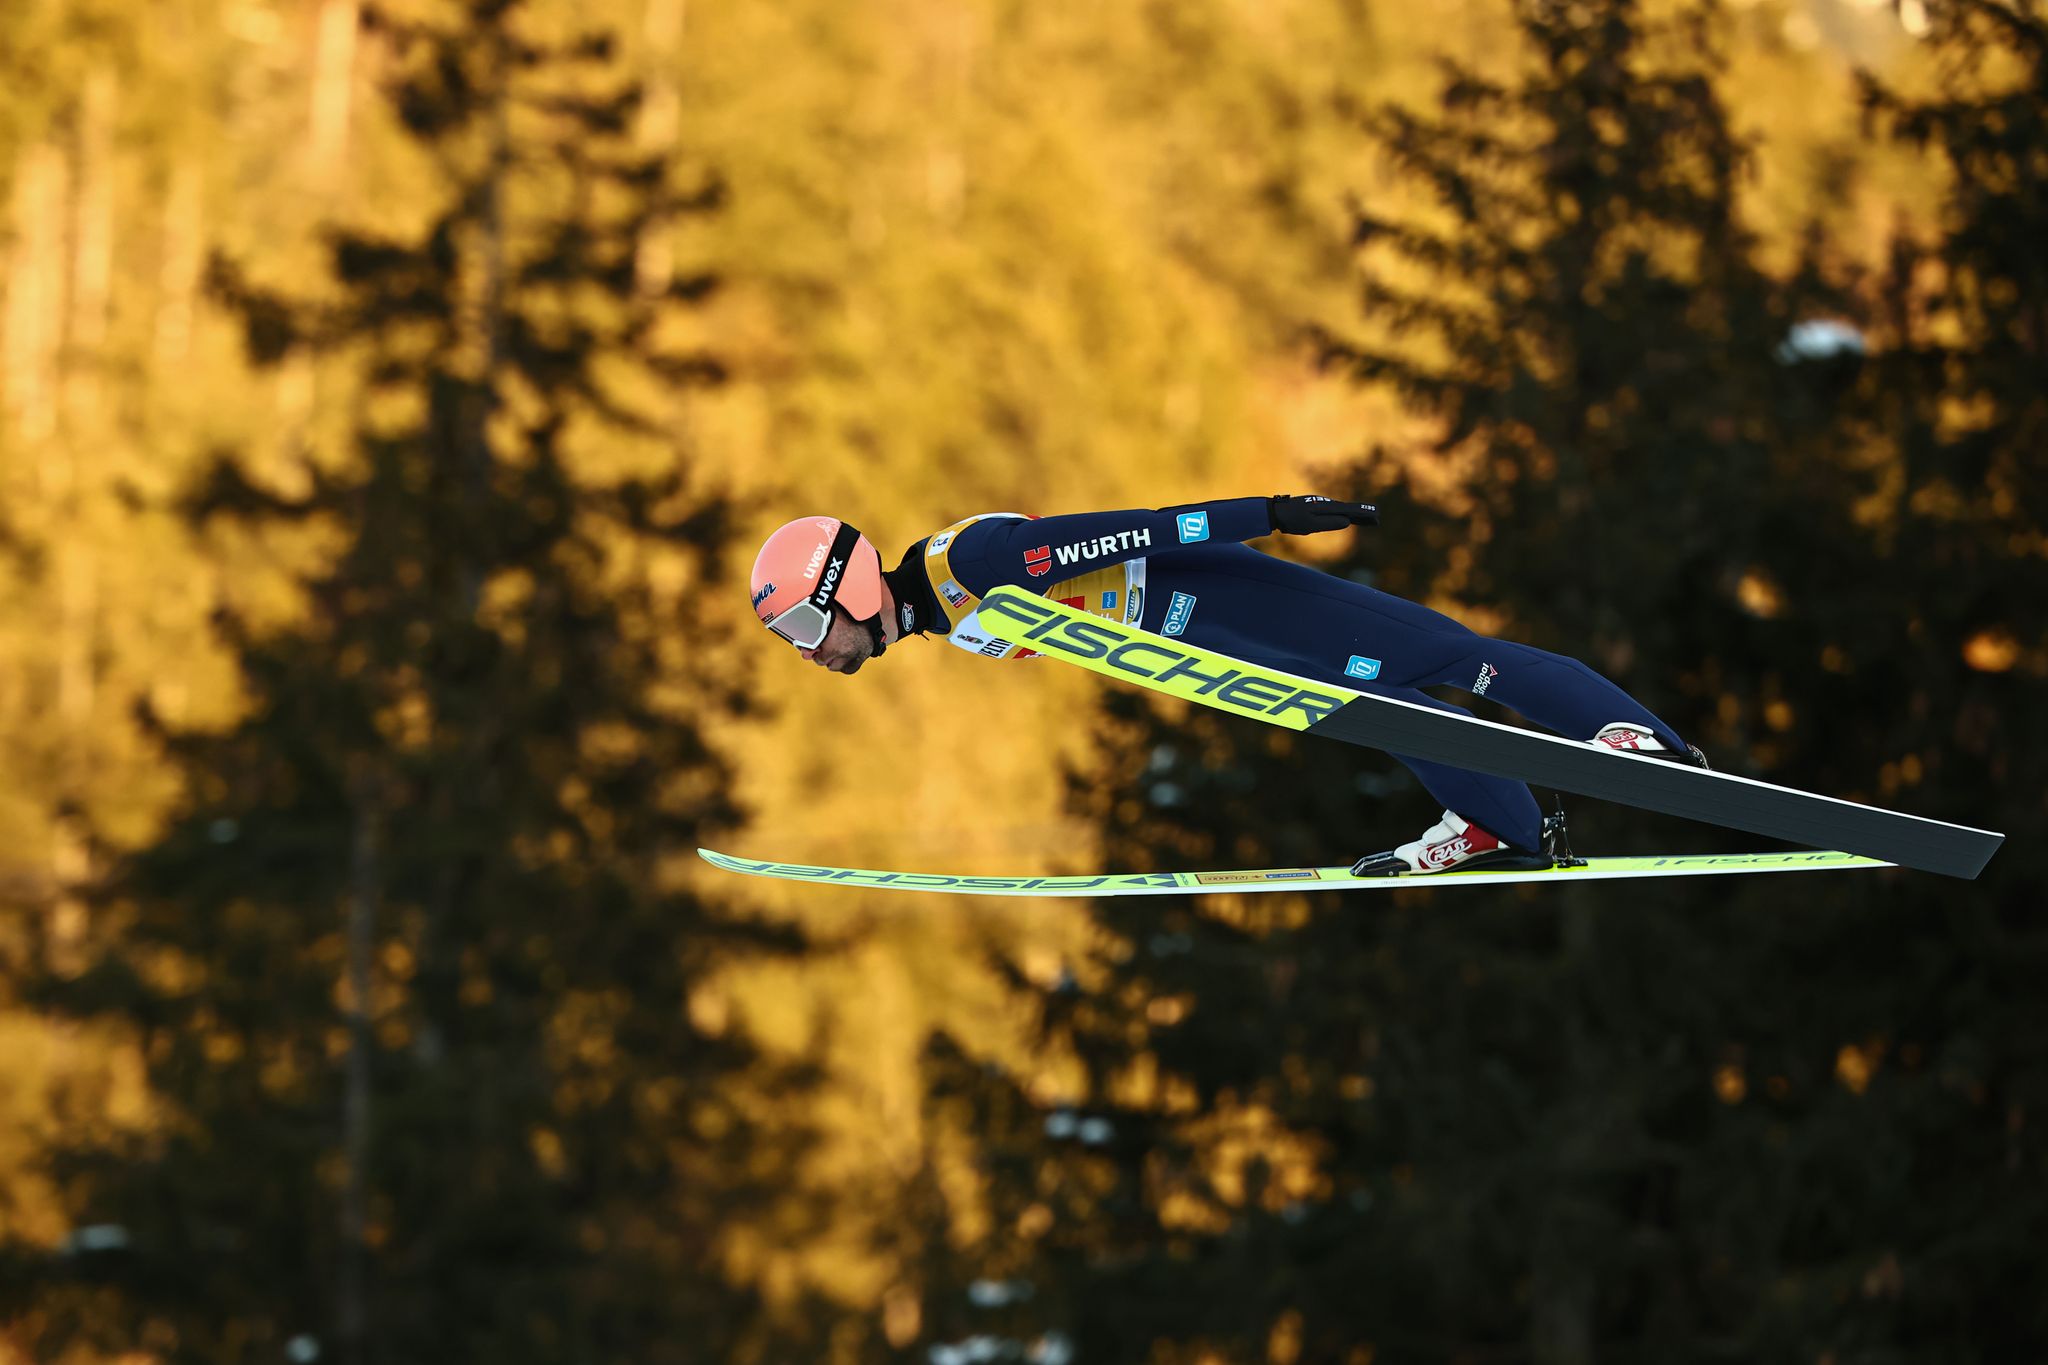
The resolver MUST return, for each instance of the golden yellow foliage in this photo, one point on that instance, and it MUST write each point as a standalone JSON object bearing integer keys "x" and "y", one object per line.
{"x": 975, "y": 257}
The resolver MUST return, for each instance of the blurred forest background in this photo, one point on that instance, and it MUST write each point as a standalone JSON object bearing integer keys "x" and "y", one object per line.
{"x": 392, "y": 396}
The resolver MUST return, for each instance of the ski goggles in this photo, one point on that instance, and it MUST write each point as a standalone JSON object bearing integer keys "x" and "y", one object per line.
{"x": 806, "y": 624}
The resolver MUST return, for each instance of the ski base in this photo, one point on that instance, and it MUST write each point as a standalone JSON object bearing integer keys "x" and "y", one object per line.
{"x": 1287, "y": 878}
{"x": 1180, "y": 669}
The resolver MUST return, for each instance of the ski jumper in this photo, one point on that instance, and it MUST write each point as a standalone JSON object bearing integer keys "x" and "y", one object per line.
{"x": 1182, "y": 571}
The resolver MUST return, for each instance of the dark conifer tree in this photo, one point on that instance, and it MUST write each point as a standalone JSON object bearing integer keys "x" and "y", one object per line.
{"x": 411, "y": 967}
{"x": 1953, "y": 642}
{"x": 1666, "y": 1120}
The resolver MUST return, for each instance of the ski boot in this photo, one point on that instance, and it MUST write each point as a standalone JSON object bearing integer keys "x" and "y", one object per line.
{"x": 1632, "y": 739}
{"x": 1452, "y": 843}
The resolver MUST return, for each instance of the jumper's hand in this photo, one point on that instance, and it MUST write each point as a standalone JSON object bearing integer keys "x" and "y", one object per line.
{"x": 1304, "y": 516}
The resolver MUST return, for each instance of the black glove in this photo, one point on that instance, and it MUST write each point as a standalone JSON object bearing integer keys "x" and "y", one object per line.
{"x": 1304, "y": 516}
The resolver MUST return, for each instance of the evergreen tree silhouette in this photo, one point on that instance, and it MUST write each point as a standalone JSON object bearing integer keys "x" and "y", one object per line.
{"x": 1667, "y": 1120}
{"x": 412, "y": 966}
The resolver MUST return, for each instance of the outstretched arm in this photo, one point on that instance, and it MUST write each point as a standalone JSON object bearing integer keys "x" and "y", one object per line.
{"x": 1048, "y": 549}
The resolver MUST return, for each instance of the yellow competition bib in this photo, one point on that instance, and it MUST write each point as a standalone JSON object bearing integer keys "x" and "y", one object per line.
{"x": 1115, "y": 592}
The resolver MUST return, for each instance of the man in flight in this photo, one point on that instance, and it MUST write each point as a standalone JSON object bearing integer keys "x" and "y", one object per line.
{"x": 1184, "y": 572}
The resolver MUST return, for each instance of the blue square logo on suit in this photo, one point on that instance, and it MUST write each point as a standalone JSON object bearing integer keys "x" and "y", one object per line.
{"x": 1194, "y": 526}
{"x": 1362, "y": 667}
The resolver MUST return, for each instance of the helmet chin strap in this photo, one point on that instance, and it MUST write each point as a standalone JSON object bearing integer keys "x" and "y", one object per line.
{"x": 896, "y": 600}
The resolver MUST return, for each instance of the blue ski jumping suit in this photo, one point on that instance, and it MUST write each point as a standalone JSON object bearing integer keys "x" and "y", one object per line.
{"x": 1183, "y": 572}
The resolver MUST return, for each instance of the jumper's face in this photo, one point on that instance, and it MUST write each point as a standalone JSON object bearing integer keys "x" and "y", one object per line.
{"x": 845, "y": 647}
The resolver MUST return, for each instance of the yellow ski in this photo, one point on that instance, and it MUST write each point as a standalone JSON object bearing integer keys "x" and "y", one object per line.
{"x": 1198, "y": 675}
{"x": 1282, "y": 878}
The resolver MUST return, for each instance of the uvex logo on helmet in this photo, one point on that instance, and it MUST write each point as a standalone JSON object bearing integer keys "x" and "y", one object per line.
{"x": 809, "y": 566}
{"x": 823, "y": 596}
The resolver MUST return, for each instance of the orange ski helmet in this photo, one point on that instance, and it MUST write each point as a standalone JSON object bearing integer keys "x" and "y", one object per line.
{"x": 804, "y": 568}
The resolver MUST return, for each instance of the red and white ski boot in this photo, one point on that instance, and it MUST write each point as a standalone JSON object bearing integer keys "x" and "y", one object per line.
{"x": 1452, "y": 843}
{"x": 1633, "y": 739}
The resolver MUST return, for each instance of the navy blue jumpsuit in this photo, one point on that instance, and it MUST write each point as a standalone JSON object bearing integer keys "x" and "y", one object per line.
{"x": 1203, "y": 586}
